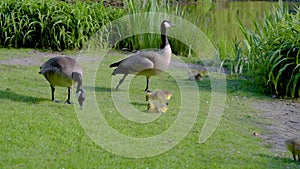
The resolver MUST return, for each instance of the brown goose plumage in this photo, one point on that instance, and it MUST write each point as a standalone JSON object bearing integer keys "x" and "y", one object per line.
{"x": 63, "y": 71}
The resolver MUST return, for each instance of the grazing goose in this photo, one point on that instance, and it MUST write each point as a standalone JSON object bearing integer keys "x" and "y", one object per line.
{"x": 62, "y": 71}
{"x": 146, "y": 63}
{"x": 293, "y": 145}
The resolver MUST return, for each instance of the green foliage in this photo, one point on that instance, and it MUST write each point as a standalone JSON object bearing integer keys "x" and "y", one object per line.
{"x": 271, "y": 53}
{"x": 51, "y": 24}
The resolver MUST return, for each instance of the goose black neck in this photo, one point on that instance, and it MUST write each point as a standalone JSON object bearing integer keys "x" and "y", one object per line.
{"x": 164, "y": 38}
{"x": 79, "y": 86}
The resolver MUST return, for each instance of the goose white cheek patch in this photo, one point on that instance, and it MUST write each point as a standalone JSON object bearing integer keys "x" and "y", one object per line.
{"x": 167, "y": 25}
{"x": 78, "y": 94}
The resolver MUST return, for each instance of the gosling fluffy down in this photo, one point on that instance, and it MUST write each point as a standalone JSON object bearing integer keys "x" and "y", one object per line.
{"x": 293, "y": 145}
{"x": 159, "y": 94}
{"x": 158, "y": 101}
{"x": 157, "y": 107}
{"x": 197, "y": 75}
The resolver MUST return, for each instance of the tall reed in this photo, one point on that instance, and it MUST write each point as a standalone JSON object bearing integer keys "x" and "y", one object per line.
{"x": 272, "y": 52}
{"x": 51, "y": 24}
{"x": 150, "y": 40}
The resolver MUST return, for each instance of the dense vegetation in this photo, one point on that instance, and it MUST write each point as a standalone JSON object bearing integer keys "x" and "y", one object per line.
{"x": 51, "y": 24}
{"x": 271, "y": 56}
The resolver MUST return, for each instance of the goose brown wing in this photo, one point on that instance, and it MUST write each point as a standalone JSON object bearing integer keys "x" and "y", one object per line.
{"x": 137, "y": 62}
{"x": 69, "y": 65}
{"x": 51, "y": 65}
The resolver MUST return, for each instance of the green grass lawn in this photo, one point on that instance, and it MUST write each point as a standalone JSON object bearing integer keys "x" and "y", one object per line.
{"x": 37, "y": 133}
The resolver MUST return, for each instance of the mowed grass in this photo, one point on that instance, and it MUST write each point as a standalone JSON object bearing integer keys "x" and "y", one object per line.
{"x": 37, "y": 133}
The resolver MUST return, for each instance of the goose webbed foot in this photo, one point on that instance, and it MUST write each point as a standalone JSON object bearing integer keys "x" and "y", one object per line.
{"x": 68, "y": 102}
{"x": 56, "y": 101}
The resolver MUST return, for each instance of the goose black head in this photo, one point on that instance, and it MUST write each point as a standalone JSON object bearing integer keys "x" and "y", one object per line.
{"x": 167, "y": 24}
{"x": 80, "y": 93}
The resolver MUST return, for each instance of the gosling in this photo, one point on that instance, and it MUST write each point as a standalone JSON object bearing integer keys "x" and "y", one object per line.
{"x": 157, "y": 107}
{"x": 197, "y": 75}
{"x": 293, "y": 145}
{"x": 158, "y": 101}
{"x": 158, "y": 94}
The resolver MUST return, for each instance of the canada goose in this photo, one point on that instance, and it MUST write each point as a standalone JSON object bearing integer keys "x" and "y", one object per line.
{"x": 293, "y": 145}
{"x": 157, "y": 107}
{"x": 161, "y": 95}
{"x": 61, "y": 71}
{"x": 146, "y": 63}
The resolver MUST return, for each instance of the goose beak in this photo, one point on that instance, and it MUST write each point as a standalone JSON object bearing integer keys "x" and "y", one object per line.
{"x": 173, "y": 25}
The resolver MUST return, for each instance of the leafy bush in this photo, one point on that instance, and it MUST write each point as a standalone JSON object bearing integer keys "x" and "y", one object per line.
{"x": 51, "y": 24}
{"x": 272, "y": 52}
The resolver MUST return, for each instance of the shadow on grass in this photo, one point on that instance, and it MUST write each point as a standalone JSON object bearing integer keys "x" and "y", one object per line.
{"x": 138, "y": 103}
{"x": 281, "y": 160}
{"x": 7, "y": 94}
{"x": 98, "y": 89}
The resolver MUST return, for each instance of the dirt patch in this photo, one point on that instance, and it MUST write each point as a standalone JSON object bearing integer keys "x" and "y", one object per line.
{"x": 31, "y": 61}
{"x": 284, "y": 122}
{"x": 37, "y": 58}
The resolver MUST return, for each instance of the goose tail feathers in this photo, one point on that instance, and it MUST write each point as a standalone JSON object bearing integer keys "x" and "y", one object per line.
{"x": 116, "y": 64}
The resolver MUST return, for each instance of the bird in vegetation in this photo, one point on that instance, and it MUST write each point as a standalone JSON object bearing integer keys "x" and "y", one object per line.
{"x": 293, "y": 145}
{"x": 197, "y": 75}
{"x": 63, "y": 71}
{"x": 146, "y": 63}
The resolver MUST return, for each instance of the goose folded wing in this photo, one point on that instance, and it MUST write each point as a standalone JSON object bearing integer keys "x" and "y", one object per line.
{"x": 137, "y": 63}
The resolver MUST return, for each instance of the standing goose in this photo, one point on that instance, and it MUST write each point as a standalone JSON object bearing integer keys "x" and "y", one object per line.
{"x": 146, "y": 63}
{"x": 62, "y": 71}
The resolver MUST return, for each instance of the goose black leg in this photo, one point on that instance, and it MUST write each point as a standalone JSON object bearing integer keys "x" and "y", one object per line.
{"x": 121, "y": 81}
{"x": 147, "y": 85}
{"x": 69, "y": 96}
{"x": 52, "y": 92}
